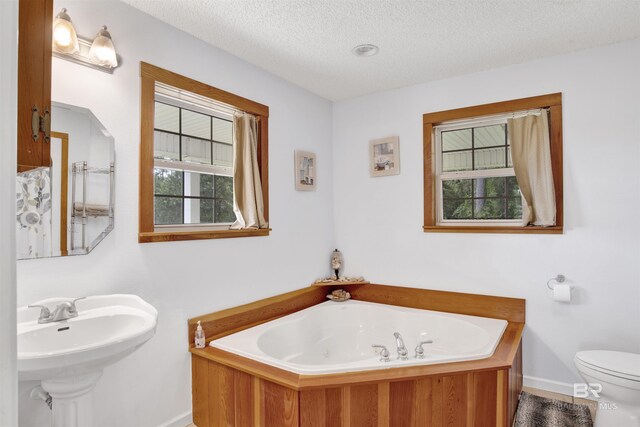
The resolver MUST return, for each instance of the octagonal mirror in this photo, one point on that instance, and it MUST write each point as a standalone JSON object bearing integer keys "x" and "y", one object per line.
{"x": 68, "y": 208}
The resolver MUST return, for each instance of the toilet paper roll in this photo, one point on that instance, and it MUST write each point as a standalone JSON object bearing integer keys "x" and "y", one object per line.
{"x": 562, "y": 293}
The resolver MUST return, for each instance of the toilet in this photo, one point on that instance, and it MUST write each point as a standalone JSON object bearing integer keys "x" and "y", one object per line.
{"x": 619, "y": 375}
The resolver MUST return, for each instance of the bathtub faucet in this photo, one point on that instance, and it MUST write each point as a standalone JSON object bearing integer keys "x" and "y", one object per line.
{"x": 402, "y": 350}
{"x": 420, "y": 350}
{"x": 384, "y": 353}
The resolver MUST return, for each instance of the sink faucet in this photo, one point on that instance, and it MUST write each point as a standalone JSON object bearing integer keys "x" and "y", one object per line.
{"x": 402, "y": 350}
{"x": 64, "y": 311}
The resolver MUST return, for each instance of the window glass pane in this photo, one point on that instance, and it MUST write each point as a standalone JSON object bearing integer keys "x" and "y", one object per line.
{"x": 224, "y": 211}
{"x": 196, "y": 150}
{"x": 222, "y": 155}
{"x": 166, "y": 146}
{"x": 222, "y": 130}
{"x": 167, "y": 117}
{"x": 167, "y": 182}
{"x": 456, "y": 140}
{"x": 196, "y": 124}
{"x": 489, "y": 187}
{"x": 457, "y": 208}
{"x": 198, "y": 211}
{"x": 456, "y": 189}
{"x": 481, "y": 198}
{"x": 513, "y": 190}
{"x": 206, "y": 211}
{"x": 168, "y": 210}
{"x": 489, "y": 208}
{"x": 456, "y": 161}
{"x": 198, "y": 184}
{"x": 490, "y": 158}
{"x": 514, "y": 208}
{"x": 206, "y": 185}
{"x": 489, "y": 136}
{"x": 224, "y": 199}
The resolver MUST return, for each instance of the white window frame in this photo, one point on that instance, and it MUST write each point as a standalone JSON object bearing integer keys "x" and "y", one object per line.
{"x": 212, "y": 110}
{"x": 485, "y": 173}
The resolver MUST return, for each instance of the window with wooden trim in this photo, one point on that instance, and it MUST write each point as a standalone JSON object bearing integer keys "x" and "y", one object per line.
{"x": 469, "y": 181}
{"x": 186, "y": 158}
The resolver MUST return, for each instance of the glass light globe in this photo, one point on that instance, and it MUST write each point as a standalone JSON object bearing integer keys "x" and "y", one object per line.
{"x": 102, "y": 51}
{"x": 65, "y": 39}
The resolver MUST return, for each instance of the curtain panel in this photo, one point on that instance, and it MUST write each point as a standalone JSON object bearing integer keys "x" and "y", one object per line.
{"x": 531, "y": 155}
{"x": 247, "y": 187}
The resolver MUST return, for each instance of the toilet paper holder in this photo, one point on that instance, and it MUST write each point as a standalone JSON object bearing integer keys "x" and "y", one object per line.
{"x": 558, "y": 279}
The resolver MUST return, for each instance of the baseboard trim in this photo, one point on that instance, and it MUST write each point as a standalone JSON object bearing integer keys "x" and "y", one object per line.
{"x": 181, "y": 420}
{"x": 548, "y": 385}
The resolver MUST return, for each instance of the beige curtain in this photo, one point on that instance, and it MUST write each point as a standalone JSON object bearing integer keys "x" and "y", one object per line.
{"x": 247, "y": 188}
{"x": 531, "y": 154}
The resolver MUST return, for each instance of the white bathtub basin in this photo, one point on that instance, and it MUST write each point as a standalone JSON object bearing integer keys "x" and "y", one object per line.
{"x": 336, "y": 337}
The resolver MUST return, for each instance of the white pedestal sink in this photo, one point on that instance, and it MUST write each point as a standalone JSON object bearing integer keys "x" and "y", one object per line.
{"x": 68, "y": 356}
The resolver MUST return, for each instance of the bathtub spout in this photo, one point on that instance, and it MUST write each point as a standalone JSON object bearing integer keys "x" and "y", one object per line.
{"x": 402, "y": 350}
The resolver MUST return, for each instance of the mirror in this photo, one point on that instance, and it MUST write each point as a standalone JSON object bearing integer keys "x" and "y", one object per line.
{"x": 68, "y": 208}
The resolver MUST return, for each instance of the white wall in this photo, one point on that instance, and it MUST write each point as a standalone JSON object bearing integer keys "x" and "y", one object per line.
{"x": 8, "y": 93}
{"x": 378, "y": 220}
{"x": 182, "y": 279}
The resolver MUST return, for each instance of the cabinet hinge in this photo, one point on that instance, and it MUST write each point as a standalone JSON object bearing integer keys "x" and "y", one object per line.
{"x": 40, "y": 123}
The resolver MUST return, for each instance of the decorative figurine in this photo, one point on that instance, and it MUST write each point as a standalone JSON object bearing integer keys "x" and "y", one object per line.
{"x": 336, "y": 263}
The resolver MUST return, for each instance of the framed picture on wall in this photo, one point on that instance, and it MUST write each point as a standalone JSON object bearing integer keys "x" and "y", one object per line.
{"x": 384, "y": 156}
{"x": 305, "y": 170}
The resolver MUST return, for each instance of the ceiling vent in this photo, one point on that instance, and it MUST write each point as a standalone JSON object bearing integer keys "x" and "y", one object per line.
{"x": 365, "y": 50}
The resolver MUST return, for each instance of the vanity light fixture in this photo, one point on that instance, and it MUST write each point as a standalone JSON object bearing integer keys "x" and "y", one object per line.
{"x": 102, "y": 51}
{"x": 65, "y": 39}
{"x": 99, "y": 53}
{"x": 365, "y": 50}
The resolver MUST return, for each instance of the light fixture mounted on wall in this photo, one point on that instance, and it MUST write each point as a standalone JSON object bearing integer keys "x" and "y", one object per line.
{"x": 99, "y": 53}
{"x": 65, "y": 39}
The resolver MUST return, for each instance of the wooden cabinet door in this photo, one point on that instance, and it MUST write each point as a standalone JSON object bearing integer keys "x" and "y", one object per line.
{"x": 34, "y": 80}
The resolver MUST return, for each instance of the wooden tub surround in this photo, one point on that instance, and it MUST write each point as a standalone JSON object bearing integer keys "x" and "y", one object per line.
{"x": 231, "y": 390}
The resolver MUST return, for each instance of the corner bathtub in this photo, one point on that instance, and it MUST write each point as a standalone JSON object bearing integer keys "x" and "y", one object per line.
{"x": 334, "y": 337}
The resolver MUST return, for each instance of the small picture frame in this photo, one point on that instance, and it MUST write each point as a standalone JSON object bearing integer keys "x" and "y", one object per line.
{"x": 384, "y": 156}
{"x": 305, "y": 169}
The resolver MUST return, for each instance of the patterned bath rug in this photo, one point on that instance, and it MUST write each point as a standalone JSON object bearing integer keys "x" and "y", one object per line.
{"x": 536, "y": 411}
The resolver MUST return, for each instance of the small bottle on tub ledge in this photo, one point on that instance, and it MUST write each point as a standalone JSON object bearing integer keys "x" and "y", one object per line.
{"x": 200, "y": 341}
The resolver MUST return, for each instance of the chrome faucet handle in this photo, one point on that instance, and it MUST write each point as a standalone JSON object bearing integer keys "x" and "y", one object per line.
{"x": 72, "y": 308}
{"x": 420, "y": 350}
{"x": 384, "y": 353}
{"x": 45, "y": 313}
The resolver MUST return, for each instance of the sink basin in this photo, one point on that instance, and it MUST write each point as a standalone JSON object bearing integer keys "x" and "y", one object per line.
{"x": 108, "y": 328}
{"x": 68, "y": 356}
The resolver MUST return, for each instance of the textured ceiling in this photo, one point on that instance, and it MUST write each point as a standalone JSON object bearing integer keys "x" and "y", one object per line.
{"x": 309, "y": 42}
